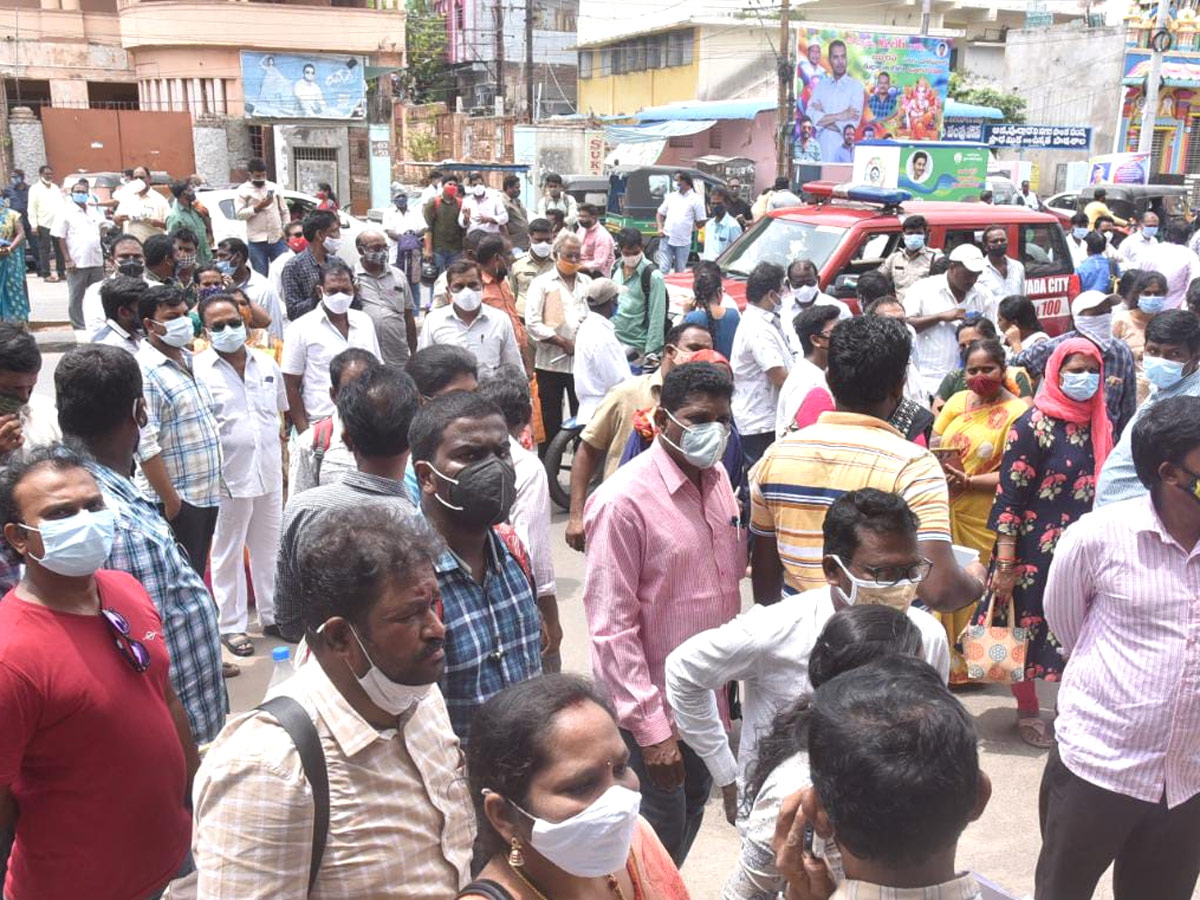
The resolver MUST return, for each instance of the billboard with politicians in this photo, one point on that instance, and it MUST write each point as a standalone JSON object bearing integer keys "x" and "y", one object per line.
{"x": 283, "y": 86}
{"x": 852, "y": 85}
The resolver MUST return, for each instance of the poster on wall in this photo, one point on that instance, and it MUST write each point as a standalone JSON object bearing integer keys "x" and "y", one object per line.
{"x": 1120, "y": 168}
{"x": 852, "y": 85}
{"x": 283, "y": 86}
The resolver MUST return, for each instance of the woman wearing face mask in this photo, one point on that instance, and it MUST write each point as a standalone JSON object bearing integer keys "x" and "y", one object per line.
{"x": 1142, "y": 303}
{"x": 1048, "y": 480}
{"x": 853, "y": 637}
{"x": 708, "y": 310}
{"x": 326, "y": 196}
{"x": 14, "y": 298}
{"x": 971, "y": 429}
{"x": 1016, "y": 381}
{"x": 557, "y": 801}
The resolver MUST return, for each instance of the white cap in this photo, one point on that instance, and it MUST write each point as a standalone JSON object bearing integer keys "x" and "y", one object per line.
{"x": 1086, "y": 300}
{"x": 970, "y": 256}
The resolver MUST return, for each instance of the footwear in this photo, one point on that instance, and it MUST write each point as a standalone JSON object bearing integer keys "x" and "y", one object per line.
{"x": 1036, "y": 732}
{"x": 272, "y": 631}
{"x": 238, "y": 644}
{"x": 52, "y": 279}
{"x": 229, "y": 670}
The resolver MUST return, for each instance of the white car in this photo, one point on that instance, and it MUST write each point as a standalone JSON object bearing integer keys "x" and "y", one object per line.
{"x": 226, "y": 224}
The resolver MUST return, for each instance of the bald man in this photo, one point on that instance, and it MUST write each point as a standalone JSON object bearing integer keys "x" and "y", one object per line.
{"x": 386, "y": 297}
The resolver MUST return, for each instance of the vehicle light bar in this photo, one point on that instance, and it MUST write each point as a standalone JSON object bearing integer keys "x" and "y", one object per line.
{"x": 859, "y": 193}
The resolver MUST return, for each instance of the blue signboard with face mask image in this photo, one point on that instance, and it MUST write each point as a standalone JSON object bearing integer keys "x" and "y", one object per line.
{"x": 282, "y": 86}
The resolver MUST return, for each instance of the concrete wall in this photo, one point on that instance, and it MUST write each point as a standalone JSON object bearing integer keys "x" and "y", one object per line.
{"x": 301, "y": 175}
{"x": 983, "y": 60}
{"x": 735, "y": 62}
{"x": 28, "y": 145}
{"x": 212, "y": 150}
{"x": 626, "y": 94}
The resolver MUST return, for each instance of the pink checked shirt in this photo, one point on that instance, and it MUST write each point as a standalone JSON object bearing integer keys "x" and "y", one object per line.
{"x": 596, "y": 250}
{"x": 1123, "y": 597}
{"x": 663, "y": 563}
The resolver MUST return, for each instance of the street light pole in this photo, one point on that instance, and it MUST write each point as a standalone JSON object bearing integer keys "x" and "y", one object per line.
{"x": 926, "y": 12}
{"x": 783, "y": 117}
{"x": 1150, "y": 110}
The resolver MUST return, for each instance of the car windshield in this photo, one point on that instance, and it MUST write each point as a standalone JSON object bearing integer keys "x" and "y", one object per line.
{"x": 781, "y": 241}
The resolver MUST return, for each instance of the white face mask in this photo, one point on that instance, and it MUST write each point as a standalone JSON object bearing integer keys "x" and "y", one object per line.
{"x": 632, "y": 262}
{"x": 593, "y": 842}
{"x": 179, "y": 331}
{"x": 479, "y": 190}
{"x": 541, "y": 249}
{"x": 332, "y": 244}
{"x": 870, "y": 593}
{"x": 805, "y": 294}
{"x": 77, "y": 545}
{"x": 392, "y": 697}
{"x": 703, "y": 444}
{"x": 468, "y": 299}
{"x": 1098, "y": 329}
{"x": 338, "y": 302}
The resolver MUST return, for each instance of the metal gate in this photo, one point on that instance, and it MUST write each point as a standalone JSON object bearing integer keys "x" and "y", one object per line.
{"x": 110, "y": 140}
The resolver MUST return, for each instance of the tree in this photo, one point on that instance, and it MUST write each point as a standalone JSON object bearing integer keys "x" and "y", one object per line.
{"x": 966, "y": 91}
{"x": 425, "y": 42}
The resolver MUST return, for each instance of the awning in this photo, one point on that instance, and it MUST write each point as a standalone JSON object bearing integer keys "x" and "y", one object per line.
{"x": 641, "y": 153}
{"x": 1173, "y": 74}
{"x": 695, "y": 110}
{"x": 654, "y": 131}
{"x": 957, "y": 110}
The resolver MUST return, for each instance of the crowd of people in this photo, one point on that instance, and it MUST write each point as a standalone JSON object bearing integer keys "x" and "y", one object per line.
{"x": 320, "y": 458}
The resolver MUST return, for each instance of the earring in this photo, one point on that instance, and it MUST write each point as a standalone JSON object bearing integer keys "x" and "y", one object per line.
{"x": 516, "y": 859}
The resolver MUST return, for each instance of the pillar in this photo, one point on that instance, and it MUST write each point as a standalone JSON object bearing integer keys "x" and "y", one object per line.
{"x": 198, "y": 105}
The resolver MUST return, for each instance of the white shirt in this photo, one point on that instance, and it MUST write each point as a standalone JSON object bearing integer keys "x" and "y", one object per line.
{"x": 113, "y": 335}
{"x": 1133, "y": 248}
{"x": 247, "y": 414}
{"x": 680, "y": 214}
{"x": 39, "y": 427}
{"x": 1079, "y": 251}
{"x": 600, "y": 363}
{"x": 935, "y": 350}
{"x": 565, "y": 202}
{"x": 1030, "y": 200}
{"x": 309, "y": 345}
{"x": 489, "y": 337}
{"x": 758, "y": 346}
{"x": 790, "y": 307}
{"x": 530, "y": 515}
{"x": 552, "y": 308}
{"x": 1003, "y": 285}
{"x": 94, "y": 318}
{"x": 803, "y": 378}
{"x": 336, "y": 459}
{"x": 1176, "y": 263}
{"x": 767, "y": 647}
{"x": 258, "y": 288}
{"x": 275, "y": 270}
{"x": 835, "y": 95}
{"x": 140, "y": 208}
{"x": 400, "y": 222}
{"x": 44, "y": 203}
{"x": 474, "y": 208}
{"x": 80, "y": 230}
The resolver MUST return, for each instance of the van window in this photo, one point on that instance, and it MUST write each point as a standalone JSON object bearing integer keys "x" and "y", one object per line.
{"x": 1044, "y": 250}
{"x": 957, "y": 237}
{"x": 227, "y": 209}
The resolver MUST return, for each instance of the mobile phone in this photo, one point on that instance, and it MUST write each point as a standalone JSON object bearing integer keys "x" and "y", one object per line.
{"x": 10, "y": 404}
{"x": 270, "y": 195}
{"x": 810, "y": 837}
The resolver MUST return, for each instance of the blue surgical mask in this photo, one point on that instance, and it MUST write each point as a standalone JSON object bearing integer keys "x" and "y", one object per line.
{"x": 1079, "y": 232}
{"x": 179, "y": 331}
{"x": 229, "y": 338}
{"x": 1150, "y": 231}
{"x": 1080, "y": 386}
{"x": 914, "y": 242}
{"x": 224, "y": 266}
{"x": 77, "y": 545}
{"x": 1162, "y": 373}
{"x": 1151, "y": 304}
{"x": 79, "y": 198}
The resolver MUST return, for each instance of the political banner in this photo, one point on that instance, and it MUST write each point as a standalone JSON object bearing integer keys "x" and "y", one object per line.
{"x": 929, "y": 171}
{"x": 853, "y": 85}
{"x": 1120, "y": 168}
{"x": 282, "y": 86}
{"x": 1038, "y": 137}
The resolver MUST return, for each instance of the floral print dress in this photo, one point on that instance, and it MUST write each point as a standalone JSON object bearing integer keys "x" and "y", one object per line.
{"x": 1047, "y": 481}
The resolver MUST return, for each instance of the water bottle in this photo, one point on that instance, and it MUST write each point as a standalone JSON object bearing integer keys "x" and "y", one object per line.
{"x": 283, "y": 668}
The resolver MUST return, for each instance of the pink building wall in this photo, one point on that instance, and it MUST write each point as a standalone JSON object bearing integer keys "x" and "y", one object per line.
{"x": 731, "y": 137}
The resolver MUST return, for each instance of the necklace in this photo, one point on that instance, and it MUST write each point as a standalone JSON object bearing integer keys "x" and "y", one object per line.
{"x": 613, "y": 884}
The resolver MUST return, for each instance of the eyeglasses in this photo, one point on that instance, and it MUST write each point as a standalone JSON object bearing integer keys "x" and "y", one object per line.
{"x": 218, "y": 327}
{"x": 890, "y": 575}
{"x": 133, "y": 650}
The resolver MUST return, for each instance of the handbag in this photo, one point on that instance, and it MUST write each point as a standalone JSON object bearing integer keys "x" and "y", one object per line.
{"x": 995, "y": 653}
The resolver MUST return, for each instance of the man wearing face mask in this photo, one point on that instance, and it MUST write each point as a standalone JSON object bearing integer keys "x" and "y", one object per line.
{"x": 27, "y": 420}
{"x": 468, "y": 485}
{"x": 386, "y": 297}
{"x": 180, "y": 449}
{"x": 259, "y": 203}
{"x": 293, "y": 237}
{"x": 444, "y": 239}
{"x": 469, "y": 323}
{"x": 161, "y": 260}
{"x": 1075, "y": 238}
{"x": 77, "y": 231}
{"x": 722, "y": 228}
{"x": 665, "y": 557}
{"x": 404, "y": 228}
{"x": 186, "y": 245}
{"x": 17, "y": 195}
{"x": 185, "y": 215}
{"x": 45, "y": 204}
{"x": 680, "y": 214}
{"x": 803, "y": 291}
{"x": 534, "y": 263}
{"x": 1121, "y": 579}
{"x": 870, "y": 555}
{"x": 369, "y": 693}
{"x": 1091, "y": 312}
{"x": 642, "y": 313}
{"x": 142, "y": 211}
{"x": 910, "y": 262}
{"x": 517, "y": 227}
{"x": 600, "y": 363}
{"x": 313, "y": 340}
{"x": 554, "y": 197}
{"x": 233, "y": 261}
{"x": 481, "y": 211}
{"x": 302, "y": 274}
{"x": 126, "y": 259}
{"x": 596, "y": 249}
{"x": 92, "y": 731}
{"x": 1001, "y": 275}
{"x": 1174, "y": 260}
{"x": 1136, "y": 247}
{"x": 1171, "y": 361}
{"x": 248, "y": 396}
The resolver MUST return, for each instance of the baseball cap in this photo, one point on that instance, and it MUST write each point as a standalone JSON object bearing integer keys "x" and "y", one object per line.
{"x": 970, "y": 256}
{"x": 601, "y": 291}
{"x": 1086, "y": 300}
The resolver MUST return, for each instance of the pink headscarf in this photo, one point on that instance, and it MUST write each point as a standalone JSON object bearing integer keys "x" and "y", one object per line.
{"x": 1053, "y": 402}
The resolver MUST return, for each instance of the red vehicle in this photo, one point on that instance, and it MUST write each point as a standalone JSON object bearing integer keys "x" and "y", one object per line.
{"x": 846, "y": 237}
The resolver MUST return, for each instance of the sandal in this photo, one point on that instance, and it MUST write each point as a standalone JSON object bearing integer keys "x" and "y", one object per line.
{"x": 229, "y": 670}
{"x": 238, "y": 644}
{"x": 1036, "y": 732}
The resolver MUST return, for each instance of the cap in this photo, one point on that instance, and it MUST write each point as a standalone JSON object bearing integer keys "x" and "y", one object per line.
{"x": 280, "y": 654}
{"x": 970, "y": 256}
{"x": 1086, "y": 300}
{"x": 601, "y": 291}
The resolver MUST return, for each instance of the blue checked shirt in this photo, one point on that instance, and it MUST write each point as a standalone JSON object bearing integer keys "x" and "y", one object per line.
{"x": 180, "y": 425}
{"x": 1120, "y": 375}
{"x": 145, "y": 548}
{"x": 493, "y": 632}
{"x": 881, "y": 108}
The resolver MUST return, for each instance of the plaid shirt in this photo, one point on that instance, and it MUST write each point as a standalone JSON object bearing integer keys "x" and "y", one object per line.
{"x": 881, "y": 107}
{"x": 145, "y": 548}
{"x": 493, "y": 632}
{"x": 1120, "y": 375}
{"x": 302, "y": 509}
{"x": 180, "y": 426}
{"x": 300, "y": 278}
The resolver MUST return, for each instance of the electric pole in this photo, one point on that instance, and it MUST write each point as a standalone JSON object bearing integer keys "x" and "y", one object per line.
{"x": 529, "y": 110}
{"x": 926, "y": 11}
{"x": 783, "y": 114}
{"x": 500, "y": 53}
{"x": 1150, "y": 110}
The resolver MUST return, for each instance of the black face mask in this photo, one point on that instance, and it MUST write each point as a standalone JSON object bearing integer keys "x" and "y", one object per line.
{"x": 483, "y": 493}
{"x": 132, "y": 268}
{"x": 258, "y": 183}
{"x": 718, "y": 211}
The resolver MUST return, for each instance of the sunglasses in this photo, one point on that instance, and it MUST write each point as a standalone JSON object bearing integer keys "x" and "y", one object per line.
{"x": 133, "y": 650}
